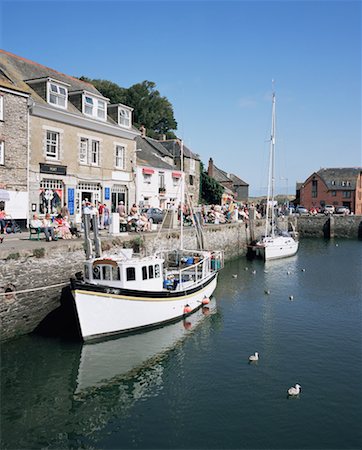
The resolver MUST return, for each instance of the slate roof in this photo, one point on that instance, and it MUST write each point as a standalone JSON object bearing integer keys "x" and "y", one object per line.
{"x": 15, "y": 71}
{"x": 222, "y": 176}
{"x": 174, "y": 147}
{"x": 338, "y": 176}
{"x": 149, "y": 155}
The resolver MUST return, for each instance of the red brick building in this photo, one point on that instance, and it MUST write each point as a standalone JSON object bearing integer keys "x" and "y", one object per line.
{"x": 338, "y": 187}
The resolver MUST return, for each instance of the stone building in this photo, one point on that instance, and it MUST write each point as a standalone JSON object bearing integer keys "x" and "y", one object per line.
{"x": 14, "y": 149}
{"x": 338, "y": 187}
{"x": 235, "y": 188}
{"x": 191, "y": 168}
{"x": 81, "y": 147}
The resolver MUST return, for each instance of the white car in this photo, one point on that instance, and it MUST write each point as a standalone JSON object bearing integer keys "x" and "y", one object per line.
{"x": 328, "y": 209}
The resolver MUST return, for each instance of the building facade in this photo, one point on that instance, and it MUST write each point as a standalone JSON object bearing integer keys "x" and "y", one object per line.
{"x": 190, "y": 167}
{"x": 235, "y": 189}
{"x": 337, "y": 187}
{"x": 158, "y": 182}
{"x": 80, "y": 146}
{"x": 14, "y": 149}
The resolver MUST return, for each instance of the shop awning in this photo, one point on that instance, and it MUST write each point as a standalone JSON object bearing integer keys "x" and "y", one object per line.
{"x": 4, "y": 195}
{"x": 147, "y": 171}
{"x": 176, "y": 174}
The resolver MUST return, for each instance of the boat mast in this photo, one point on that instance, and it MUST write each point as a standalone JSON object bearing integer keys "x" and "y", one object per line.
{"x": 271, "y": 176}
{"x": 182, "y": 195}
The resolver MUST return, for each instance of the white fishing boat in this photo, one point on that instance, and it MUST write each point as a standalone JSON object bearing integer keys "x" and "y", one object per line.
{"x": 110, "y": 361}
{"x": 274, "y": 244}
{"x": 124, "y": 292}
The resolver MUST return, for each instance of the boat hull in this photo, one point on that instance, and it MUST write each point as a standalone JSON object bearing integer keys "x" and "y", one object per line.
{"x": 277, "y": 248}
{"x": 106, "y": 311}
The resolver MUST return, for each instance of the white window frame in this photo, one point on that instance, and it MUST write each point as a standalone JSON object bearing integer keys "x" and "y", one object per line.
{"x": 124, "y": 117}
{"x": 2, "y": 153}
{"x": 89, "y": 151}
{"x": 57, "y": 94}
{"x": 1, "y": 107}
{"x": 147, "y": 178}
{"x": 120, "y": 156}
{"x": 97, "y": 108}
{"x": 53, "y": 142}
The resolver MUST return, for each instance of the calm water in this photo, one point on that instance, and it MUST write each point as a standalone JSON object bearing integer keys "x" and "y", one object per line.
{"x": 189, "y": 385}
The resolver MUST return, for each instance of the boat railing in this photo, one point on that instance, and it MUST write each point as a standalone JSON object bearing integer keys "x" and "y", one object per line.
{"x": 194, "y": 269}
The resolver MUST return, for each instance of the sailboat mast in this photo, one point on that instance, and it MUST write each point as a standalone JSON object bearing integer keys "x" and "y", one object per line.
{"x": 272, "y": 143}
{"x": 271, "y": 179}
{"x": 182, "y": 195}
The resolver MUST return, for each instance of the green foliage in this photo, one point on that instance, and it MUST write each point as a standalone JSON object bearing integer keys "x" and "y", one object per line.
{"x": 150, "y": 109}
{"x": 211, "y": 190}
{"x": 39, "y": 252}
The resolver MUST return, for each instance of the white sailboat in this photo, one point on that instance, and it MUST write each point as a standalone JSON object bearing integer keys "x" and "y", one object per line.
{"x": 274, "y": 244}
{"x": 124, "y": 292}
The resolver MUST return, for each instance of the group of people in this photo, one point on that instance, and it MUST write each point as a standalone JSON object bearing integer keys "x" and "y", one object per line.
{"x": 134, "y": 220}
{"x": 58, "y": 227}
{"x": 228, "y": 213}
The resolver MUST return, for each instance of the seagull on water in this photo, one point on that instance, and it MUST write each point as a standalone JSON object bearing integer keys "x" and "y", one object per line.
{"x": 254, "y": 357}
{"x": 235, "y": 275}
{"x": 294, "y": 390}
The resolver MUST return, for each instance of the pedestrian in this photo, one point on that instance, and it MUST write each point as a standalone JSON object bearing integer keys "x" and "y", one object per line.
{"x": 64, "y": 211}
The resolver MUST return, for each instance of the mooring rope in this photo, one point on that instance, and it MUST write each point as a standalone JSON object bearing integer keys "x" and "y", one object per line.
{"x": 33, "y": 289}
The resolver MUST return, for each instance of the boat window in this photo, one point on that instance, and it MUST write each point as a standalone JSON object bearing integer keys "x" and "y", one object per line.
{"x": 116, "y": 275}
{"x": 150, "y": 271}
{"x": 106, "y": 272}
{"x": 144, "y": 273}
{"x": 96, "y": 273}
{"x": 131, "y": 273}
{"x": 86, "y": 272}
{"x": 157, "y": 271}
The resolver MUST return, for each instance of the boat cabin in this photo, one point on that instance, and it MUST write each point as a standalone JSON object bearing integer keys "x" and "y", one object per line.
{"x": 144, "y": 274}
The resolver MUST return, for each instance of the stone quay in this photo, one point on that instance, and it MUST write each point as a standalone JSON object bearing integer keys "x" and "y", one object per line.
{"x": 38, "y": 271}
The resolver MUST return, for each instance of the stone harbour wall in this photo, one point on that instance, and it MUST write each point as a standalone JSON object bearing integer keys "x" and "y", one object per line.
{"x": 54, "y": 264}
{"x": 47, "y": 264}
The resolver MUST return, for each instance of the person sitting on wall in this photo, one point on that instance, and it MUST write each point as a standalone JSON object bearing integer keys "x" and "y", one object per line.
{"x": 144, "y": 223}
{"x": 47, "y": 230}
{"x": 63, "y": 227}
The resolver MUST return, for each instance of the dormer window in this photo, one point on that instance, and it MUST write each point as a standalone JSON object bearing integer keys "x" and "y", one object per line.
{"x": 333, "y": 183}
{"x": 124, "y": 117}
{"x": 57, "y": 94}
{"x": 94, "y": 107}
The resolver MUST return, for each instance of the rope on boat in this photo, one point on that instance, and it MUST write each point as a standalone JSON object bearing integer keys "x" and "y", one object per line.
{"x": 33, "y": 289}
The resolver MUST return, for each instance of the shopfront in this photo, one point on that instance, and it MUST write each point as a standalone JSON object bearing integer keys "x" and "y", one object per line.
{"x": 119, "y": 194}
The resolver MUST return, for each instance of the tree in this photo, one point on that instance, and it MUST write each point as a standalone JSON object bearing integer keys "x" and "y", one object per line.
{"x": 211, "y": 190}
{"x": 150, "y": 109}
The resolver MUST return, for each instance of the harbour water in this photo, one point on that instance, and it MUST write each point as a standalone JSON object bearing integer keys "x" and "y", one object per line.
{"x": 189, "y": 385}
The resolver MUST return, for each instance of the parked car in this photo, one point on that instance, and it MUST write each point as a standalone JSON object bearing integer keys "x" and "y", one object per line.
{"x": 342, "y": 210}
{"x": 328, "y": 209}
{"x": 302, "y": 211}
{"x": 155, "y": 215}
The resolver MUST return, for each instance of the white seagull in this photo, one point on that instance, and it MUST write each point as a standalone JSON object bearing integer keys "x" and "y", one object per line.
{"x": 254, "y": 357}
{"x": 295, "y": 390}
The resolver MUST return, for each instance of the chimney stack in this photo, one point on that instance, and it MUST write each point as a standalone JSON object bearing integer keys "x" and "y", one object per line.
{"x": 143, "y": 131}
{"x": 210, "y": 169}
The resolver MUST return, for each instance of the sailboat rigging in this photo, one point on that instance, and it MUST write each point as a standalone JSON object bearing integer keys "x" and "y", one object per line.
{"x": 274, "y": 244}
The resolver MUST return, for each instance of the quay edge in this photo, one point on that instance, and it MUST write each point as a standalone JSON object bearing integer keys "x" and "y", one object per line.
{"x": 29, "y": 265}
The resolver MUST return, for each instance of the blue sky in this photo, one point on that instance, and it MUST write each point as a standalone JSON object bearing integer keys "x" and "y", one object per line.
{"x": 215, "y": 61}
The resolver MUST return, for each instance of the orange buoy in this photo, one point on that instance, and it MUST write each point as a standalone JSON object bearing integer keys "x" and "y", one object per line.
{"x": 187, "y": 309}
{"x": 205, "y": 310}
{"x": 205, "y": 301}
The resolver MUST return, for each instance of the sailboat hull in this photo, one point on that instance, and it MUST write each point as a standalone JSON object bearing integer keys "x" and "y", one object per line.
{"x": 276, "y": 248}
{"x": 105, "y": 312}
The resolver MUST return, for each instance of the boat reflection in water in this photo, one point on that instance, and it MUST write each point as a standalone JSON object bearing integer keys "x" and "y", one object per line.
{"x": 107, "y": 362}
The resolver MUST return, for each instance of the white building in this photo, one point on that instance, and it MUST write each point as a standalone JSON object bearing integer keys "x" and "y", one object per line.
{"x": 158, "y": 183}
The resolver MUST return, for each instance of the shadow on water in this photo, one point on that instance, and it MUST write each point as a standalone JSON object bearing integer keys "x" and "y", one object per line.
{"x": 68, "y": 392}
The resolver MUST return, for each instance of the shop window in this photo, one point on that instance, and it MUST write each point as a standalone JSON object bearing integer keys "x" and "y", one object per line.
{"x": 50, "y": 196}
